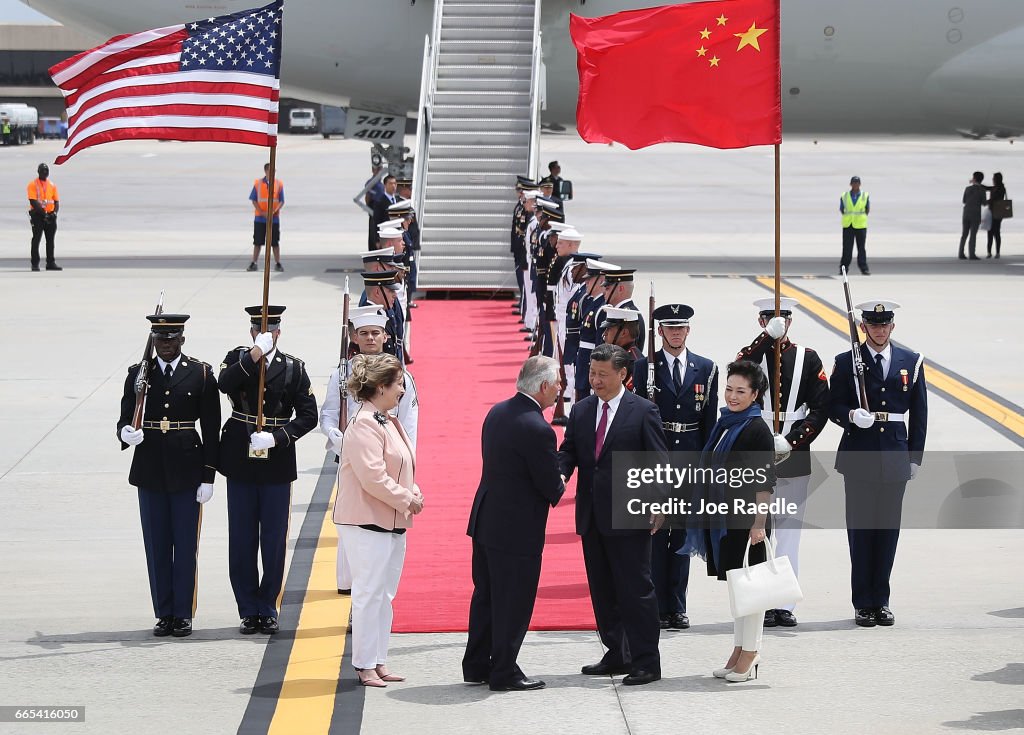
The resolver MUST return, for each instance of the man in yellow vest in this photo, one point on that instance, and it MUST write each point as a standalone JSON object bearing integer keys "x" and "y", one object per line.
{"x": 5, "y": 129}
{"x": 854, "y": 206}
{"x": 260, "y": 198}
{"x": 43, "y": 204}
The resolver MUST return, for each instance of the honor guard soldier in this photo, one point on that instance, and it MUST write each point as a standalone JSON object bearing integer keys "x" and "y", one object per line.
{"x": 530, "y": 240}
{"x": 686, "y": 391}
{"x": 592, "y": 302}
{"x": 173, "y": 467}
{"x": 368, "y": 332}
{"x": 803, "y": 413}
{"x": 880, "y": 451}
{"x": 574, "y": 318}
{"x": 381, "y": 288}
{"x": 517, "y": 235}
{"x": 260, "y": 465}
{"x": 561, "y": 284}
{"x": 621, "y": 328}
{"x": 619, "y": 294}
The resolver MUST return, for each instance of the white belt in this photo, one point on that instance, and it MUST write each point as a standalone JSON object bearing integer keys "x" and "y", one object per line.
{"x": 587, "y": 345}
{"x": 552, "y": 288}
{"x": 679, "y": 428}
{"x": 898, "y": 418}
{"x": 798, "y": 415}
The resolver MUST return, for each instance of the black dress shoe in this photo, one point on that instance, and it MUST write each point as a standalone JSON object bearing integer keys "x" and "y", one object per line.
{"x": 679, "y": 621}
{"x": 163, "y": 626}
{"x": 345, "y": 591}
{"x": 884, "y": 616}
{"x": 55, "y": 267}
{"x": 664, "y": 621}
{"x": 866, "y": 272}
{"x": 35, "y": 268}
{"x": 962, "y": 256}
{"x": 249, "y": 625}
{"x": 475, "y": 678}
{"x": 865, "y": 618}
{"x": 603, "y": 669}
{"x": 182, "y": 627}
{"x": 268, "y": 624}
{"x": 519, "y": 685}
{"x": 525, "y": 329}
{"x": 641, "y": 677}
{"x": 770, "y": 620}
{"x": 785, "y": 618}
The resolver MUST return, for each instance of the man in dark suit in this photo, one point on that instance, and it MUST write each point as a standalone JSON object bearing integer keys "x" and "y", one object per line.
{"x": 382, "y": 202}
{"x": 618, "y": 561}
{"x": 172, "y": 467}
{"x": 881, "y": 449}
{"x": 259, "y": 463}
{"x": 686, "y": 392}
{"x": 520, "y": 481}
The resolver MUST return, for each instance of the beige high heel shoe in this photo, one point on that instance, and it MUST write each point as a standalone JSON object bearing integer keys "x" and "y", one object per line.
{"x": 750, "y": 673}
{"x": 721, "y": 673}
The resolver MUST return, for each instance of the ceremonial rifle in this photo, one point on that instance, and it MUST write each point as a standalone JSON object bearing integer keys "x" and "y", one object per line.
{"x": 558, "y": 419}
{"x": 651, "y": 388}
{"x": 858, "y": 358}
{"x": 142, "y": 377}
{"x": 343, "y": 364}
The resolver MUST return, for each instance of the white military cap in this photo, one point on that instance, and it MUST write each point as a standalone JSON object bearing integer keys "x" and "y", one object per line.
{"x": 380, "y": 254}
{"x": 786, "y": 305}
{"x": 559, "y": 226}
{"x": 391, "y": 224}
{"x": 879, "y": 311}
{"x": 614, "y": 315}
{"x": 365, "y": 316}
{"x": 570, "y": 235}
{"x": 388, "y": 234}
{"x": 531, "y": 194}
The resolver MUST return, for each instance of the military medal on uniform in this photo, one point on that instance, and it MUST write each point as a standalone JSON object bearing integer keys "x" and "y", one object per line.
{"x": 904, "y": 378}
{"x": 698, "y": 395}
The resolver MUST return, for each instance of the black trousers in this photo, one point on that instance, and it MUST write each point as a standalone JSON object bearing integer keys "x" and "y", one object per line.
{"x": 621, "y": 590}
{"x": 504, "y": 592}
{"x": 257, "y": 531}
{"x": 670, "y": 571}
{"x": 851, "y": 234}
{"x": 43, "y": 226}
{"x": 259, "y": 234}
{"x": 995, "y": 232}
{"x": 873, "y": 514}
{"x": 170, "y": 532}
{"x": 971, "y": 225}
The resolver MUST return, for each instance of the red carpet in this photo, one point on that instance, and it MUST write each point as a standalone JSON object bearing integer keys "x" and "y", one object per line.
{"x": 467, "y": 355}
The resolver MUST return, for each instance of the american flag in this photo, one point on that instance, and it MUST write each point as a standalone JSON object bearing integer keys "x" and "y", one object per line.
{"x": 216, "y": 79}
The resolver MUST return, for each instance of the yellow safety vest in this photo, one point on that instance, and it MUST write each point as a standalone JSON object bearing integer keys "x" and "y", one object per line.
{"x": 855, "y": 215}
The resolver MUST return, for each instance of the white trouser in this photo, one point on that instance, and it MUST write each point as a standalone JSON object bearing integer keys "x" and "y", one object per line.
{"x": 786, "y": 528}
{"x": 746, "y": 632}
{"x": 343, "y": 570}
{"x": 376, "y": 560}
{"x": 570, "y": 387}
{"x": 530, "y": 318}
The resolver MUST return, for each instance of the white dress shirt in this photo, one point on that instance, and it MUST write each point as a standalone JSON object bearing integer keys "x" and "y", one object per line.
{"x": 173, "y": 363}
{"x": 886, "y": 358}
{"x": 613, "y": 407}
{"x": 670, "y": 361}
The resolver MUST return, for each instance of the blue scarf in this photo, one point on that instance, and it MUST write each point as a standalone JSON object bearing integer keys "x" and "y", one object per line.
{"x": 723, "y": 437}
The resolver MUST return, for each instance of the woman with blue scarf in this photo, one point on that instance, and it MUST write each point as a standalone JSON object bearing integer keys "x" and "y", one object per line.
{"x": 740, "y": 439}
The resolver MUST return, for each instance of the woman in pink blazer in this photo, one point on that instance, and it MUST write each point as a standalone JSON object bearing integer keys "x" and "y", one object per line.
{"x": 377, "y": 498}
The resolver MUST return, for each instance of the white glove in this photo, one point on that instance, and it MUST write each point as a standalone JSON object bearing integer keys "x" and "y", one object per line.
{"x": 204, "y": 492}
{"x": 334, "y": 436}
{"x": 264, "y": 341}
{"x": 862, "y": 418}
{"x": 776, "y": 327}
{"x": 131, "y": 436}
{"x": 782, "y": 448}
{"x": 262, "y": 439}
{"x": 914, "y": 469}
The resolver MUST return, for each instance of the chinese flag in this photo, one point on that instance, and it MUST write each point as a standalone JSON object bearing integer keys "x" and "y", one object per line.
{"x": 705, "y": 73}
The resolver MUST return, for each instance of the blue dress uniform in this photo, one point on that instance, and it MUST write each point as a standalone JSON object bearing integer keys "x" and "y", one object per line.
{"x": 168, "y": 468}
{"x": 259, "y": 490}
{"x": 688, "y": 412}
{"x": 387, "y": 280}
{"x": 876, "y": 462}
{"x": 623, "y": 275}
{"x": 574, "y": 315}
{"x": 589, "y": 306}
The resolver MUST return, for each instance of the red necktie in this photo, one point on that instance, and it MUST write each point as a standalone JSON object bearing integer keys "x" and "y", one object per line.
{"x": 602, "y": 427}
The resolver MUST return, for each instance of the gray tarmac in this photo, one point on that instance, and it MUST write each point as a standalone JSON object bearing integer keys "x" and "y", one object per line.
{"x": 144, "y": 216}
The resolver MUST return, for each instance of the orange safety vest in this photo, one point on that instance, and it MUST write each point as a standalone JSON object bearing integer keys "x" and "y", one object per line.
{"x": 43, "y": 192}
{"x": 263, "y": 196}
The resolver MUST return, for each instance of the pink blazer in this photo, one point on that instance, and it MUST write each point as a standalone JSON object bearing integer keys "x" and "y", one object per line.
{"x": 375, "y": 476}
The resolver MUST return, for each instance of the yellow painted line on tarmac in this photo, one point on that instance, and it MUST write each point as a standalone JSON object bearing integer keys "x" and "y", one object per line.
{"x": 306, "y": 702}
{"x": 1002, "y": 414}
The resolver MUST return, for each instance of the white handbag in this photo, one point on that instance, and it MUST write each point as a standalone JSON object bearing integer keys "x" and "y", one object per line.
{"x": 765, "y": 586}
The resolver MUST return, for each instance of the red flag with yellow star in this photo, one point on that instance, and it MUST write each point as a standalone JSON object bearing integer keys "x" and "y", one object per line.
{"x": 705, "y": 73}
